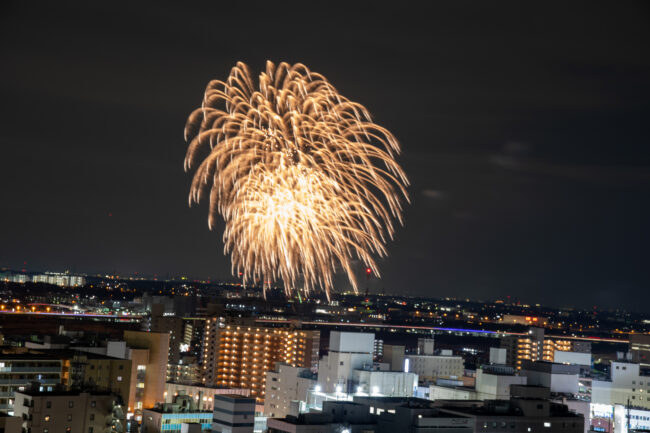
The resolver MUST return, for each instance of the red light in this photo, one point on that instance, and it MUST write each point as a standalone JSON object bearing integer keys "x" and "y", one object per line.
{"x": 368, "y": 271}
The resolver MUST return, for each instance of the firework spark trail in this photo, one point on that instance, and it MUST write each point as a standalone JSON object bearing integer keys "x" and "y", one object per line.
{"x": 303, "y": 178}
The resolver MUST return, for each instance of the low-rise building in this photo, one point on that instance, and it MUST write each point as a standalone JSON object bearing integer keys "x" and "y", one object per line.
{"x": 19, "y": 370}
{"x": 233, "y": 414}
{"x": 559, "y": 378}
{"x": 202, "y": 395}
{"x": 626, "y": 386}
{"x": 285, "y": 387}
{"x": 170, "y": 417}
{"x": 336, "y": 417}
{"x": 431, "y": 367}
{"x": 69, "y": 411}
{"x": 387, "y": 383}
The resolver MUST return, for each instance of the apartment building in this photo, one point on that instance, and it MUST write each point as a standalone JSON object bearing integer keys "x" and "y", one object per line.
{"x": 240, "y": 356}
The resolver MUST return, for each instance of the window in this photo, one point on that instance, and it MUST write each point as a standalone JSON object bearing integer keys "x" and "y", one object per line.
{"x": 48, "y": 405}
{"x": 341, "y": 363}
{"x": 90, "y": 430}
{"x": 70, "y": 404}
{"x": 68, "y": 429}
{"x": 92, "y": 417}
{"x": 547, "y": 424}
{"x": 93, "y": 403}
{"x": 45, "y": 430}
{"x": 69, "y": 417}
{"x": 46, "y": 418}
{"x": 119, "y": 378}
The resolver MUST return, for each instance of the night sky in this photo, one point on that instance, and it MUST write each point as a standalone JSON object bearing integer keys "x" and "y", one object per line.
{"x": 525, "y": 128}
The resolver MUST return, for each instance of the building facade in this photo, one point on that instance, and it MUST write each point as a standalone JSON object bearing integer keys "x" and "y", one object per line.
{"x": 69, "y": 412}
{"x": 284, "y": 385}
{"x": 233, "y": 414}
{"x": 240, "y": 356}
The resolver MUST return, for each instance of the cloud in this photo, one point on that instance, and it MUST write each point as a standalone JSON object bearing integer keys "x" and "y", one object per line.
{"x": 516, "y": 156}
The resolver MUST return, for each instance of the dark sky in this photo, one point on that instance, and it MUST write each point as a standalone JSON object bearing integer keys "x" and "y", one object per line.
{"x": 525, "y": 128}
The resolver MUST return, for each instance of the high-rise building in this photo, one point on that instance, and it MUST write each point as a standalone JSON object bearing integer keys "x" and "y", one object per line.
{"x": 148, "y": 352}
{"x": 240, "y": 356}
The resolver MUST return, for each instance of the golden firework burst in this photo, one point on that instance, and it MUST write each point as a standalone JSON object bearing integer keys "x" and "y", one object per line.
{"x": 304, "y": 179}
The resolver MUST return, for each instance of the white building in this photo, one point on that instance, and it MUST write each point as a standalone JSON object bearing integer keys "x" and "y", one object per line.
{"x": 498, "y": 355}
{"x": 348, "y": 351}
{"x": 559, "y": 378}
{"x": 626, "y": 383}
{"x": 430, "y": 367}
{"x": 286, "y": 386}
{"x": 493, "y": 383}
{"x": 386, "y": 383}
{"x": 575, "y": 358}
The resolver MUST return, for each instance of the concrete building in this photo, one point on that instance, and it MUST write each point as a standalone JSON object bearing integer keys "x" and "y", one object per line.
{"x": 626, "y": 384}
{"x": 431, "y": 367}
{"x": 202, "y": 395}
{"x": 528, "y": 410}
{"x": 493, "y": 382}
{"x": 69, "y": 411}
{"x": 640, "y": 349}
{"x": 233, "y": 414}
{"x": 186, "y": 371}
{"x": 148, "y": 354}
{"x": 336, "y": 417}
{"x": 559, "y": 378}
{"x": 348, "y": 351}
{"x": 170, "y": 417}
{"x": 18, "y": 371}
{"x": 498, "y": 355}
{"x": 286, "y": 386}
{"x": 573, "y": 358}
{"x": 172, "y": 325}
{"x": 240, "y": 356}
{"x": 535, "y": 347}
{"x": 425, "y": 346}
{"x": 10, "y": 424}
{"x": 394, "y": 357}
{"x": 387, "y": 383}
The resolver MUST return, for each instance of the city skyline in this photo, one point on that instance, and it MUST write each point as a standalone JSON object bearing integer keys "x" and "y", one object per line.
{"x": 522, "y": 131}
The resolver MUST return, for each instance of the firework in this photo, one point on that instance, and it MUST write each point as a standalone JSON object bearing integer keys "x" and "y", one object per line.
{"x": 303, "y": 178}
